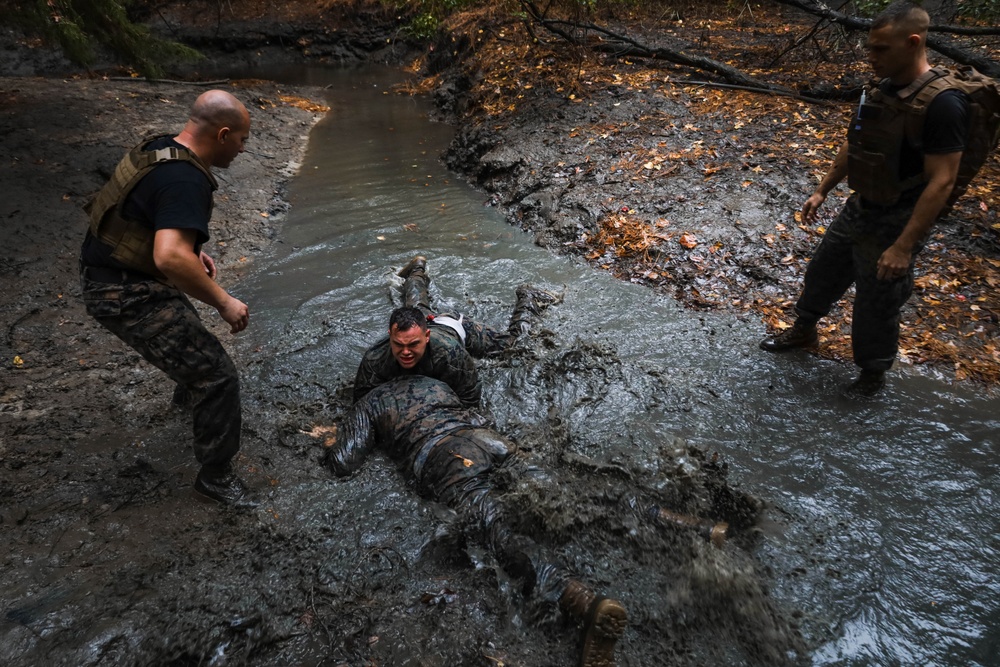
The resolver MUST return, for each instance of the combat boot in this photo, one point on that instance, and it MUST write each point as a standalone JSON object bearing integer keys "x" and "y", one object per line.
{"x": 531, "y": 301}
{"x": 416, "y": 284}
{"x": 867, "y": 385}
{"x": 418, "y": 263}
{"x": 604, "y": 622}
{"x": 801, "y": 334}
{"x": 223, "y": 485}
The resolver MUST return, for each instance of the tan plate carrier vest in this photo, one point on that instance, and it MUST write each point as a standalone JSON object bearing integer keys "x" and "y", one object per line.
{"x": 875, "y": 137}
{"x": 132, "y": 242}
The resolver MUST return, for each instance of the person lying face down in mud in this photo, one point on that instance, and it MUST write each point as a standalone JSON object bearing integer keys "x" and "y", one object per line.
{"x": 420, "y": 422}
{"x": 441, "y": 345}
{"x": 451, "y": 453}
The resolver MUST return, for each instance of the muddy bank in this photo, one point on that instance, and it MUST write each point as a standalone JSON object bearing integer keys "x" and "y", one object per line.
{"x": 61, "y": 138}
{"x": 96, "y": 463}
{"x": 648, "y": 171}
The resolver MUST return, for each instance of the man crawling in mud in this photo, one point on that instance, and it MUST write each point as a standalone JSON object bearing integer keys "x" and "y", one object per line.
{"x": 441, "y": 345}
{"x": 449, "y": 451}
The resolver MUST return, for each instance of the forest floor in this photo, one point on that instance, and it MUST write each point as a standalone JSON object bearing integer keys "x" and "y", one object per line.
{"x": 682, "y": 186}
{"x": 654, "y": 173}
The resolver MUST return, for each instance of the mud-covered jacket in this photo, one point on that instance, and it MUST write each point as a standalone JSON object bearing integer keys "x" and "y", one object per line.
{"x": 406, "y": 417}
{"x": 445, "y": 359}
{"x": 132, "y": 241}
{"x": 884, "y": 122}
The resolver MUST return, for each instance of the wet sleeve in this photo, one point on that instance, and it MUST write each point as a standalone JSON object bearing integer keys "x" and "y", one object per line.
{"x": 947, "y": 124}
{"x": 356, "y": 437}
{"x": 369, "y": 373}
{"x": 364, "y": 380}
{"x": 464, "y": 380}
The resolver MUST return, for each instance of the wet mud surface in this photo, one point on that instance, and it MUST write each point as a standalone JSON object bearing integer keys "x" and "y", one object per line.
{"x": 109, "y": 557}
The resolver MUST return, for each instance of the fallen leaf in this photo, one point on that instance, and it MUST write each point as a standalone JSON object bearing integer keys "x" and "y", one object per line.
{"x": 319, "y": 431}
{"x": 688, "y": 240}
{"x": 465, "y": 462}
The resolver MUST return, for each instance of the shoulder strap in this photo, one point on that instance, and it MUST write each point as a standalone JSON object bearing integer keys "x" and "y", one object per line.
{"x": 131, "y": 169}
{"x": 920, "y": 94}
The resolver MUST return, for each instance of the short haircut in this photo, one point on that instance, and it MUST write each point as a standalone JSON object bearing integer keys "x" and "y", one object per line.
{"x": 407, "y": 317}
{"x": 903, "y": 14}
{"x": 216, "y": 109}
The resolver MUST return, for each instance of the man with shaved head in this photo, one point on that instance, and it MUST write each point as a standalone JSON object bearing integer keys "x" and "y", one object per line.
{"x": 142, "y": 258}
{"x": 902, "y": 155}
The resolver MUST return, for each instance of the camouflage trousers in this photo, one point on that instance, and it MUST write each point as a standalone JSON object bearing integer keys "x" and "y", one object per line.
{"x": 161, "y": 324}
{"x": 849, "y": 253}
{"x": 480, "y": 339}
{"x": 457, "y": 473}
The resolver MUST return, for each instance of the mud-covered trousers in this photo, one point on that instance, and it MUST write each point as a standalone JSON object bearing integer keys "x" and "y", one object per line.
{"x": 849, "y": 253}
{"x": 480, "y": 339}
{"x": 161, "y": 324}
{"x": 457, "y": 473}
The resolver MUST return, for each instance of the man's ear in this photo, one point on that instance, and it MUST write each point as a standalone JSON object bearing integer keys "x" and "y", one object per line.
{"x": 223, "y": 133}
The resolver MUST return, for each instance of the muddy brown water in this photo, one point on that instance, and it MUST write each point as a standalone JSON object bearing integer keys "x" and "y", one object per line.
{"x": 881, "y": 534}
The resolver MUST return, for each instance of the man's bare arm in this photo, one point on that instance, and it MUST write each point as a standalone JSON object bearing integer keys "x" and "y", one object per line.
{"x": 173, "y": 253}
{"x": 837, "y": 173}
{"x": 941, "y": 171}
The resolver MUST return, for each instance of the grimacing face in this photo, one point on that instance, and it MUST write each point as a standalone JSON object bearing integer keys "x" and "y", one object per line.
{"x": 408, "y": 345}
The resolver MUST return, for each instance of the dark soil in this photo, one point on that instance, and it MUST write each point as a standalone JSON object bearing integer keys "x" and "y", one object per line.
{"x": 108, "y": 558}
{"x": 650, "y": 171}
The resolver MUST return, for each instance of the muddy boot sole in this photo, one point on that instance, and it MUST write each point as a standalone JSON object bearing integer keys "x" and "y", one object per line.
{"x": 606, "y": 623}
{"x": 536, "y": 299}
{"x": 418, "y": 263}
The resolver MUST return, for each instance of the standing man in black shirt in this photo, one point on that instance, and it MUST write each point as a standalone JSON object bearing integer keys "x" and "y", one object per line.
{"x": 142, "y": 258}
{"x": 901, "y": 158}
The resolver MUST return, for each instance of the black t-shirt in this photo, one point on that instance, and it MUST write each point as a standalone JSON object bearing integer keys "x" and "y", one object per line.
{"x": 174, "y": 195}
{"x": 946, "y": 127}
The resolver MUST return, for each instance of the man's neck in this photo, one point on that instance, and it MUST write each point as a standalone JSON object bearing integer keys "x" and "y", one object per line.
{"x": 188, "y": 141}
{"x": 911, "y": 74}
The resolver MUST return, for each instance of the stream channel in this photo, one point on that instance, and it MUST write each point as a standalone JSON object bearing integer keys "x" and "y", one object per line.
{"x": 880, "y": 531}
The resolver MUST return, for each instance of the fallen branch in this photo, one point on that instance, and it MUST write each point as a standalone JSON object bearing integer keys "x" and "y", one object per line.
{"x": 770, "y": 91}
{"x": 184, "y": 83}
{"x": 939, "y": 44}
{"x": 863, "y": 24}
{"x": 797, "y": 42}
{"x": 622, "y": 45}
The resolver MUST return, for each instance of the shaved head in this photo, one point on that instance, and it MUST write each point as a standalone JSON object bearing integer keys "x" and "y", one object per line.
{"x": 217, "y": 129}
{"x": 904, "y": 17}
{"x": 215, "y": 109}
